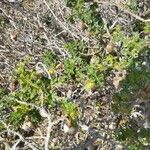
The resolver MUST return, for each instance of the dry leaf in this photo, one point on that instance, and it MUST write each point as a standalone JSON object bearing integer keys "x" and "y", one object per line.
{"x": 13, "y": 35}
{"x": 110, "y": 48}
{"x": 27, "y": 126}
{"x": 119, "y": 76}
{"x": 81, "y": 25}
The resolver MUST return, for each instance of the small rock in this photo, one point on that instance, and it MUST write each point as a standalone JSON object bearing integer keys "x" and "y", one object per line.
{"x": 69, "y": 130}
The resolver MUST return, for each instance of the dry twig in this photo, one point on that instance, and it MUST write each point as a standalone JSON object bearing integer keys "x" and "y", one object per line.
{"x": 108, "y": 3}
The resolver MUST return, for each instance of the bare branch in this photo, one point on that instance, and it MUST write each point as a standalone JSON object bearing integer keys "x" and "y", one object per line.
{"x": 61, "y": 24}
{"x": 19, "y": 135}
{"x": 108, "y": 3}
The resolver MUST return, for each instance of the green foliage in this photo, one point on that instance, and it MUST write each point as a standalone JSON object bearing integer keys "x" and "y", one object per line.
{"x": 132, "y": 5}
{"x": 89, "y": 15}
{"x": 32, "y": 85}
{"x": 70, "y": 68}
{"x": 18, "y": 115}
{"x": 96, "y": 75}
{"x": 49, "y": 58}
{"x": 138, "y": 76}
{"x": 90, "y": 69}
{"x": 135, "y": 55}
{"x": 3, "y": 92}
{"x": 79, "y": 67}
{"x": 3, "y": 21}
{"x": 1, "y": 127}
{"x": 130, "y": 48}
{"x": 132, "y": 136}
{"x": 33, "y": 88}
{"x": 146, "y": 27}
{"x": 75, "y": 48}
{"x": 70, "y": 109}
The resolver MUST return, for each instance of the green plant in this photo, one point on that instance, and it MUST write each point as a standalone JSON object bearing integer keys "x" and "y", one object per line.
{"x": 3, "y": 22}
{"x": 89, "y": 65}
{"x": 33, "y": 88}
{"x": 138, "y": 76}
{"x": 50, "y": 58}
{"x": 71, "y": 111}
{"x": 131, "y": 5}
{"x": 88, "y": 15}
{"x": 3, "y": 92}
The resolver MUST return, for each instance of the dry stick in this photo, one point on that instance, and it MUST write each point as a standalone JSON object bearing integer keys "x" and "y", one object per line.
{"x": 9, "y": 17}
{"x": 106, "y": 28}
{"x": 114, "y": 24}
{"x": 47, "y": 115}
{"x": 134, "y": 15}
{"x": 61, "y": 24}
{"x": 82, "y": 34}
{"x": 45, "y": 69}
{"x": 47, "y": 139}
{"x": 50, "y": 124}
{"x": 18, "y": 134}
{"x": 35, "y": 137}
{"x": 62, "y": 52}
{"x": 125, "y": 10}
{"x": 14, "y": 147}
{"x": 25, "y": 103}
